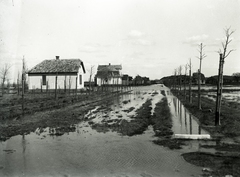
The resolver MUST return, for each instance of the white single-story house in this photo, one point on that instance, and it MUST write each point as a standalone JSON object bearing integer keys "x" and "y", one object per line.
{"x": 69, "y": 74}
{"x": 109, "y": 75}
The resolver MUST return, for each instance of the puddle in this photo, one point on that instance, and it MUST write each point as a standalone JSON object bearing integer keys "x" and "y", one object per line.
{"x": 183, "y": 121}
{"x": 89, "y": 153}
{"x": 86, "y": 152}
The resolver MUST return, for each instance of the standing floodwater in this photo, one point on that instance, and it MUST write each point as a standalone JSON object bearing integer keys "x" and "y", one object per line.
{"x": 87, "y": 152}
{"x": 183, "y": 121}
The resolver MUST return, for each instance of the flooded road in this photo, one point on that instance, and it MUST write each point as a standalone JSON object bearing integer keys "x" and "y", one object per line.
{"x": 87, "y": 152}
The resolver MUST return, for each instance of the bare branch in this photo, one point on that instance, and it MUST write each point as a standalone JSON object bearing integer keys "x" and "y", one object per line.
{"x": 222, "y": 45}
{"x": 229, "y": 52}
{"x": 228, "y": 33}
{"x": 4, "y": 73}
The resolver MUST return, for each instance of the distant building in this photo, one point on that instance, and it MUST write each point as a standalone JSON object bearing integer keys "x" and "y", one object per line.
{"x": 195, "y": 78}
{"x": 146, "y": 81}
{"x": 108, "y": 75}
{"x": 69, "y": 74}
{"x": 125, "y": 79}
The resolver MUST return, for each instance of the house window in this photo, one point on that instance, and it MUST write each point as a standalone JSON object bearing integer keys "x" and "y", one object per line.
{"x": 80, "y": 79}
{"x": 44, "y": 80}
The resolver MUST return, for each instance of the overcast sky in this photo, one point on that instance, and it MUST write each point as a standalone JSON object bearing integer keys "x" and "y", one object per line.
{"x": 148, "y": 37}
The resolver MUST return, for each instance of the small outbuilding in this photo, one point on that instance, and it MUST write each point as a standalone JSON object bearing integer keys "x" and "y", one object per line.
{"x": 66, "y": 73}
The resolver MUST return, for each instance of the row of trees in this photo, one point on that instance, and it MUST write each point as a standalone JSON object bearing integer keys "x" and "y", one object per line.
{"x": 223, "y": 54}
{"x": 21, "y": 80}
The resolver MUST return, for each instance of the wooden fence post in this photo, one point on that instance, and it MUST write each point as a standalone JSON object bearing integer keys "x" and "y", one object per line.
{"x": 56, "y": 87}
{"x": 47, "y": 87}
{"x": 76, "y": 86}
{"x": 41, "y": 85}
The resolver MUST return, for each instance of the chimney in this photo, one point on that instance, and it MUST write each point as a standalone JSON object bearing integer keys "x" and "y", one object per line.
{"x": 57, "y": 57}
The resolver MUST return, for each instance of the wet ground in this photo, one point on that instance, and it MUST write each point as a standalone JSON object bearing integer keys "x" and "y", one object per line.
{"x": 88, "y": 152}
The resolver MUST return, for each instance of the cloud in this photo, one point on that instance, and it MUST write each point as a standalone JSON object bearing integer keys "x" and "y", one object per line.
{"x": 196, "y": 40}
{"x": 135, "y": 34}
{"x": 139, "y": 38}
{"x": 88, "y": 49}
{"x": 143, "y": 42}
{"x": 93, "y": 48}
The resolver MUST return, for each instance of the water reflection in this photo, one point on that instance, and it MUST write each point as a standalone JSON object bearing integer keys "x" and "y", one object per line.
{"x": 180, "y": 114}
{"x": 24, "y": 146}
{"x": 86, "y": 152}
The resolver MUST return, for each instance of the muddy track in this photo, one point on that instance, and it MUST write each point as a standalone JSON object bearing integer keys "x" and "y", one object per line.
{"x": 61, "y": 120}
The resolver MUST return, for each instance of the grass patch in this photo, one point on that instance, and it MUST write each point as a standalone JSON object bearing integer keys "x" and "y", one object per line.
{"x": 161, "y": 119}
{"x": 221, "y": 165}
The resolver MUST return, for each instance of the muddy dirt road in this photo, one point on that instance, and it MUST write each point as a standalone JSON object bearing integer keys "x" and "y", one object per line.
{"x": 88, "y": 151}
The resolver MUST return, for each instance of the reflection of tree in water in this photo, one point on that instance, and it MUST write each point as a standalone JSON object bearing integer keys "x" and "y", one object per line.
{"x": 185, "y": 115}
{"x": 175, "y": 104}
{"x": 24, "y": 145}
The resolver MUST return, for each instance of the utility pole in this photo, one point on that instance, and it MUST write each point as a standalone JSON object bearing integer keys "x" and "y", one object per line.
{"x": 223, "y": 55}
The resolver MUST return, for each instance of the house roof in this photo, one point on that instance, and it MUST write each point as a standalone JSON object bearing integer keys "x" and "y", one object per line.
{"x": 58, "y": 66}
{"x": 195, "y": 76}
{"x": 105, "y": 71}
{"x": 110, "y": 67}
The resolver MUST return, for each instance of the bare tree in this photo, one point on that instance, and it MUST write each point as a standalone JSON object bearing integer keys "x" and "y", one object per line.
{"x": 4, "y": 75}
{"x": 186, "y": 67}
{"x": 180, "y": 78}
{"x": 190, "y": 81}
{"x": 175, "y": 80}
{"x": 224, "y": 53}
{"x": 24, "y": 75}
{"x": 201, "y": 57}
{"x": 90, "y": 77}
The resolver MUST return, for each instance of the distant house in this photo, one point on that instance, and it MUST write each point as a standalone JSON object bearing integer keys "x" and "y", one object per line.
{"x": 195, "y": 78}
{"x": 125, "y": 79}
{"x": 146, "y": 81}
{"x": 69, "y": 74}
{"x": 138, "y": 80}
{"x": 130, "y": 80}
{"x": 108, "y": 75}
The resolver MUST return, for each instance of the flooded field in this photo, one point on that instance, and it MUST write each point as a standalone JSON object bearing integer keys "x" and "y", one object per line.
{"x": 90, "y": 152}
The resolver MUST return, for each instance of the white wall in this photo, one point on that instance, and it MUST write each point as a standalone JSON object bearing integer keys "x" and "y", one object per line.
{"x": 35, "y": 81}
{"x": 111, "y": 81}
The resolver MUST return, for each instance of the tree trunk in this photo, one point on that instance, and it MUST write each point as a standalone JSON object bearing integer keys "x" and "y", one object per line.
{"x": 190, "y": 86}
{"x": 219, "y": 91}
{"x": 199, "y": 90}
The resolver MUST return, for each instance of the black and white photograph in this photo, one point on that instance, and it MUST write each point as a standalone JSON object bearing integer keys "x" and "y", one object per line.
{"x": 119, "y": 88}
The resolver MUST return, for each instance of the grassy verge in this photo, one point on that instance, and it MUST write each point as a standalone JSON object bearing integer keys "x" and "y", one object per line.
{"x": 162, "y": 125}
{"x": 216, "y": 165}
{"x": 161, "y": 119}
